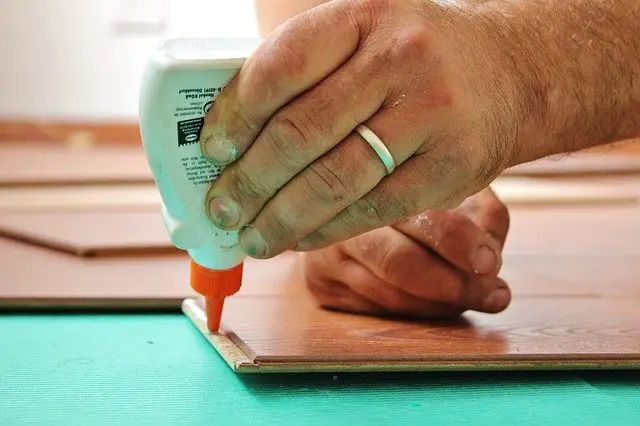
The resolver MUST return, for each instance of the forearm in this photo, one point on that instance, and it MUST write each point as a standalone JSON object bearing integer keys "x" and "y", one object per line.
{"x": 577, "y": 68}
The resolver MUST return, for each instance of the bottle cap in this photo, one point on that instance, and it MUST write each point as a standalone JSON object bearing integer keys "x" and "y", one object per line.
{"x": 215, "y": 285}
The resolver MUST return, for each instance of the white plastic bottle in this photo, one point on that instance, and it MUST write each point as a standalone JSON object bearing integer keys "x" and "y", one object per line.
{"x": 181, "y": 81}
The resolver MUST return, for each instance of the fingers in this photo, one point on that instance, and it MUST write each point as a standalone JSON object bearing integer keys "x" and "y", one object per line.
{"x": 296, "y": 136}
{"x": 326, "y": 187}
{"x": 338, "y": 296}
{"x": 406, "y": 265}
{"x": 487, "y": 211}
{"x": 296, "y": 57}
{"x": 400, "y": 195}
{"x": 457, "y": 239}
{"x": 392, "y": 299}
{"x": 322, "y": 272}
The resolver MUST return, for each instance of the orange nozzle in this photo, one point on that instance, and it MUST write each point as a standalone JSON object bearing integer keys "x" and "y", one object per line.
{"x": 215, "y": 286}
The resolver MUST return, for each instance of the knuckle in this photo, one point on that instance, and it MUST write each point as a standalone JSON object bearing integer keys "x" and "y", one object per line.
{"x": 287, "y": 135}
{"x": 326, "y": 182}
{"x": 413, "y": 44}
{"x": 369, "y": 211}
{"x": 323, "y": 109}
{"x": 246, "y": 185}
{"x": 371, "y": 11}
{"x": 450, "y": 225}
{"x": 380, "y": 207}
{"x": 395, "y": 258}
{"x": 244, "y": 114}
{"x": 286, "y": 67}
{"x": 498, "y": 212}
{"x": 278, "y": 231}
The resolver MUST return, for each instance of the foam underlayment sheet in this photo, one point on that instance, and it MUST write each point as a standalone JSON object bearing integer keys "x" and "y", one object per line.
{"x": 155, "y": 369}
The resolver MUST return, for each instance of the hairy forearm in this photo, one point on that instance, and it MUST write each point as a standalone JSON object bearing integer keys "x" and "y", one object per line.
{"x": 577, "y": 71}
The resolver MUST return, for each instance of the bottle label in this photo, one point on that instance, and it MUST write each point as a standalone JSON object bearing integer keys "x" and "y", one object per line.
{"x": 193, "y": 105}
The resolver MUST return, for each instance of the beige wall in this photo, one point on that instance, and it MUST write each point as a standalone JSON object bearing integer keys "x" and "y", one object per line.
{"x": 62, "y": 59}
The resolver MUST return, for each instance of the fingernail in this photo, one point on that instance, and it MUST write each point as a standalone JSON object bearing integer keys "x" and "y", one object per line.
{"x": 252, "y": 242}
{"x": 218, "y": 146}
{"x": 225, "y": 213}
{"x": 497, "y": 301}
{"x": 484, "y": 260}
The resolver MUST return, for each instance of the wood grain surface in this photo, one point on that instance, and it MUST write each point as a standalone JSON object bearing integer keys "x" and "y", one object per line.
{"x": 34, "y": 277}
{"x": 596, "y": 328}
{"x": 576, "y": 305}
{"x": 90, "y": 233}
{"x": 521, "y": 191}
{"x": 70, "y": 198}
{"x": 532, "y": 326}
{"x": 30, "y": 163}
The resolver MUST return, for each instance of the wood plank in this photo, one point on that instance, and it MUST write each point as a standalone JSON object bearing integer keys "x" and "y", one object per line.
{"x": 30, "y": 163}
{"x": 575, "y": 306}
{"x": 39, "y": 278}
{"x": 291, "y": 334}
{"x": 606, "y": 230}
{"x": 80, "y": 198}
{"x": 542, "y": 192}
{"x": 71, "y": 132}
{"x": 584, "y": 316}
{"x": 90, "y": 233}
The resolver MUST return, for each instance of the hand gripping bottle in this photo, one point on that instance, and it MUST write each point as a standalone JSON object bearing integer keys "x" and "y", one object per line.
{"x": 181, "y": 81}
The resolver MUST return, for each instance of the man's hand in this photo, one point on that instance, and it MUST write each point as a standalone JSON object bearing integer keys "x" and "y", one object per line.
{"x": 456, "y": 90}
{"x": 436, "y": 264}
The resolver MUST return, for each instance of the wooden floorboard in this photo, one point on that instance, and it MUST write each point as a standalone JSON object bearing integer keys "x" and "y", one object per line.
{"x": 576, "y": 299}
{"x": 90, "y": 233}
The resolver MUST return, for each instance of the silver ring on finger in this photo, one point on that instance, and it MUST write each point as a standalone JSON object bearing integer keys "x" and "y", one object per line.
{"x": 378, "y": 146}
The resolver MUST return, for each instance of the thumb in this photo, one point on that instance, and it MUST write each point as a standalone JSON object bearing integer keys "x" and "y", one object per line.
{"x": 488, "y": 213}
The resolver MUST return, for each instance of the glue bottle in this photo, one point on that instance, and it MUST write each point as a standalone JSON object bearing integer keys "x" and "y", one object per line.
{"x": 181, "y": 81}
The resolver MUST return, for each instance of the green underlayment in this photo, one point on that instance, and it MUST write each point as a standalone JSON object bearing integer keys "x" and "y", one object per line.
{"x": 157, "y": 369}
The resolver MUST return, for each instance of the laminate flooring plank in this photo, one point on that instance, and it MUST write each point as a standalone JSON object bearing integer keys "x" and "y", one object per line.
{"x": 612, "y": 230}
{"x": 519, "y": 191}
{"x": 33, "y": 277}
{"x": 576, "y": 305}
{"x": 28, "y": 163}
{"x": 70, "y": 198}
{"x": 285, "y": 334}
{"x": 90, "y": 233}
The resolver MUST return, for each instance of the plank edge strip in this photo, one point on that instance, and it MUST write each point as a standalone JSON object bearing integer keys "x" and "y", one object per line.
{"x": 235, "y": 358}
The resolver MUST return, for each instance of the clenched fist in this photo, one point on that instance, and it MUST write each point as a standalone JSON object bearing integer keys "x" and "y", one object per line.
{"x": 437, "y": 264}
